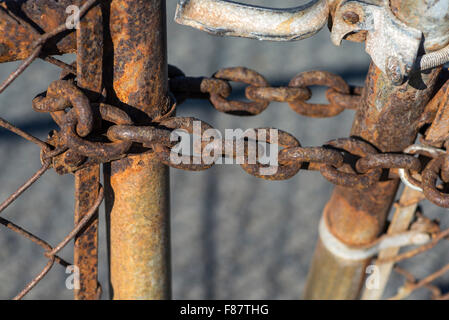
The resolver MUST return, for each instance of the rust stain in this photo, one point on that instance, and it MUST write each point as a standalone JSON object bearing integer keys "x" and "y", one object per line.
{"x": 87, "y": 180}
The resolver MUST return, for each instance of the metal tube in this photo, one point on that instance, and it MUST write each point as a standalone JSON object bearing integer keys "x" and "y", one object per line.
{"x": 138, "y": 197}
{"x": 387, "y": 118}
{"x": 89, "y": 62}
{"x": 87, "y": 182}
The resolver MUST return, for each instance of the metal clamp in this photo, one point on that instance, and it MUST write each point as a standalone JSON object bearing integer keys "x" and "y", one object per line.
{"x": 392, "y": 45}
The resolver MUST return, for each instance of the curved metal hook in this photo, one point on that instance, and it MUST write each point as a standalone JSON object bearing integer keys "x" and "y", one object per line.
{"x": 227, "y": 18}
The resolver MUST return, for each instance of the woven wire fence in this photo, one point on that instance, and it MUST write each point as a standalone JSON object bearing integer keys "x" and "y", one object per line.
{"x": 51, "y": 252}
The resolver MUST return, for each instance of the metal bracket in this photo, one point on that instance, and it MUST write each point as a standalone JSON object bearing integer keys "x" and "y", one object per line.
{"x": 392, "y": 45}
{"x": 226, "y": 18}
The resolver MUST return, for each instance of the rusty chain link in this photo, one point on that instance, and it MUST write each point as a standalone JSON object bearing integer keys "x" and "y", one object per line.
{"x": 347, "y": 162}
{"x": 96, "y": 132}
{"x": 259, "y": 93}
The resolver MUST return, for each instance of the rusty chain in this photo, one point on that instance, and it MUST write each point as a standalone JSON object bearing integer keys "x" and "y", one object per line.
{"x": 259, "y": 93}
{"x": 348, "y": 162}
{"x": 92, "y": 133}
{"x": 70, "y": 150}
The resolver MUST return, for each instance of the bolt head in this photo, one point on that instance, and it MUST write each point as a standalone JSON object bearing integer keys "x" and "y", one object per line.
{"x": 394, "y": 70}
{"x": 350, "y": 17}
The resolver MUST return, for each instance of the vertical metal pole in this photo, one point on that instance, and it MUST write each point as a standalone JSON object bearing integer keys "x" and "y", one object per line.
{"x": 355, "y": 216}
{"x": 86, "y": 244}
{"x": 89, "y": 60}
{"x": 387, "y": 118}
{"x": 138, "y": 196}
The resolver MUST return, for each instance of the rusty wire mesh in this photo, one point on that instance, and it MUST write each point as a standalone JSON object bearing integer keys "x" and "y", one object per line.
{"x": 51, "y": 252}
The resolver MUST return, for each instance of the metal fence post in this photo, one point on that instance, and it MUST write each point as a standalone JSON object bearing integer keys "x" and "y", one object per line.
{"x": 89, "y": 76}
{"x": 387, "y": 118}
{"x": 138, "y": 193}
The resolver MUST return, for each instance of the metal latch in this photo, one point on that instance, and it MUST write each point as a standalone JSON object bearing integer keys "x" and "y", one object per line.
{"x": 392, "y": 45}
{"x": 225, "y": 18}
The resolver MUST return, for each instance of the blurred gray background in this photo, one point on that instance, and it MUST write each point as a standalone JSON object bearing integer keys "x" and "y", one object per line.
{"x": 233, "y": 236}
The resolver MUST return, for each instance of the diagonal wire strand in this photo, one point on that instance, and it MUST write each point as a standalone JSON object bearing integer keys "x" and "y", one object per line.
{"x": 50, "y": 252}
{"x": 38, "y": 45}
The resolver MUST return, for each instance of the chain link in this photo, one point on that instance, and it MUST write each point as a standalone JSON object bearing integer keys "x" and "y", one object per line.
{"x": 348, "y": 162}
{"x": 96, "y": 132}
{"x": 260, "y": 94}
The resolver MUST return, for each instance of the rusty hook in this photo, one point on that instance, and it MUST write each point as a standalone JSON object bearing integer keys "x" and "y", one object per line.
{"x": 221, "y": 17}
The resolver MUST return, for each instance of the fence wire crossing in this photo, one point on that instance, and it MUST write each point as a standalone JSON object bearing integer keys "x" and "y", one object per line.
{"x": 46, "y": 156}
{"x": 334, "y": 160}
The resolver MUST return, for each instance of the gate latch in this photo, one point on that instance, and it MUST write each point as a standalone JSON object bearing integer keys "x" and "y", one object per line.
{"x": 225, "y": 18}
{"x": 392, "y": 45}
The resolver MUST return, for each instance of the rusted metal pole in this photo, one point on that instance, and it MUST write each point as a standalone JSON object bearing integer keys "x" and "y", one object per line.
{"x": 387, "y": 118}
{"x": 357, "y": 216}
{"x": 89, "y": 63}
{"x": 87, "y": 182}
{"x": 138, "y": 197}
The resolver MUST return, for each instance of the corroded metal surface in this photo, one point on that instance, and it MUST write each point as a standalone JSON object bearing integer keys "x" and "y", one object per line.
{"x": 139, "y": 199}
{"x": 139, "y": 229}
{"x": 311, "y": 78}
{"x": 130, "y": 123}
{"x": 89, "y": 77}
{"x": 229, "y": 18}
{"x": 85, "y": 258}
{"x": 362, "y": 167}
{"x": 16, "y": 42}
{"x": 431, "y": 18}
{"x": 380, "y": 121}
{"x": 242, "y": 75}
{"x": 392, "y": 45}
{"x": 357, "y": 216}
{"x": 260, "y": 93}
{"x": 439, "y": 129}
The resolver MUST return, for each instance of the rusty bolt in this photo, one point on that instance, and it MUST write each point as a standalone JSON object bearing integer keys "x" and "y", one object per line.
{"x": 350, "y": 17}
{"x": 394, "y": 71}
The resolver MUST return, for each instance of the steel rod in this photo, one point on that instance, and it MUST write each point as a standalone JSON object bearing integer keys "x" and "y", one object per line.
{"x": 89, "y": 57}
{"x": 138, "y": 197}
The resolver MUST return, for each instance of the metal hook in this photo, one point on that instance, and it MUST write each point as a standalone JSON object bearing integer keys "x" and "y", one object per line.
{"x": 227, "y": 18}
